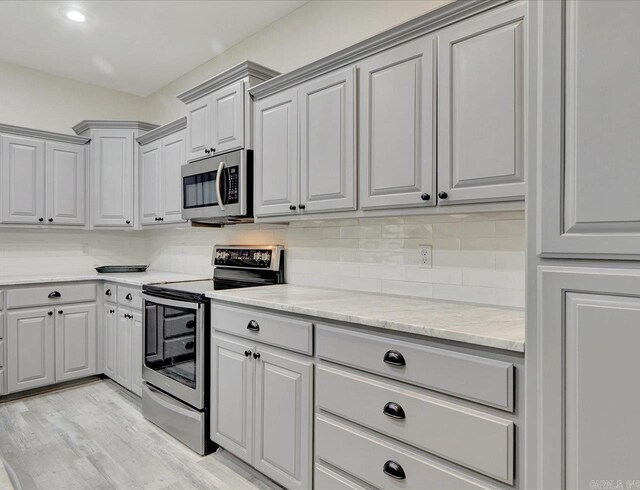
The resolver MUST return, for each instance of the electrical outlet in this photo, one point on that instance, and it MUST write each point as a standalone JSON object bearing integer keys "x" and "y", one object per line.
{"x": 426, "y": 256}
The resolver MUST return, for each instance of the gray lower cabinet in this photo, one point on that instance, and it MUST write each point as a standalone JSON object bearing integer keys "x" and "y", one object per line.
{"x": 588, "y": 129}
{"x": 261, "y": 405}
{"x": 588, "y": 365}
{"x": 109, "y": 321}
{"x": 397, "y": 108}
{"x": 481, "y": 108}
{"x": 46, "y": 345}
{"x": 3, "y": 384}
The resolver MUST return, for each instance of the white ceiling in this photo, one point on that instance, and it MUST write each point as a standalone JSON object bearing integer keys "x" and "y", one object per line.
{"x": 134, "y": 46}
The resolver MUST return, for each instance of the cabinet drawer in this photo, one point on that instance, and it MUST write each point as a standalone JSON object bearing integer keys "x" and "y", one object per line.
{"x": 281, "y": 331}
{"x": 465, "y": 436}
{"x": 130, "y": 297}
{"x": 110, "y": 292}
{"x": 482, "y": 380}
{"x": 50, "y": 295}
{"x": 325, "y": 479}
{"x": 366, "y": 456}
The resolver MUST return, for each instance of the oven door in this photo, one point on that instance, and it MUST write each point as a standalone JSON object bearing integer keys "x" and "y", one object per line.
{"x": 215, "y": 187}
{"x": 174, "y": 348}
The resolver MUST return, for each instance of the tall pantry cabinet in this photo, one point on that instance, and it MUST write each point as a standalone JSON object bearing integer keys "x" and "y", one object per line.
{"x": 583, "y": 355}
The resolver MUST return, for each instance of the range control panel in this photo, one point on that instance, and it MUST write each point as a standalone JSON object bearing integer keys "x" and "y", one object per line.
{"x": 245, "y": 258}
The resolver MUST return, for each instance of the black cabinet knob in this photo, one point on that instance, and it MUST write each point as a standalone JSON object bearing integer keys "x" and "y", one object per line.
{"x": 54, "y": 294}
{"x": 302, "y": 206}
{"x": 425, "y": 197}
{"x": 213, "y": 150}
{"x": 128, "y": 222}
{"x": 50, "y": 220}
{"x": 128, "y": 297}
{"x": 253, "y": 325}
{"x": 60, "y": 312}
{"x": 256, "y": 355}
{"x": 161, "y": 219}
{"x": 394, "y": 470}
{"x": 292, "y": 207}
{"x": 247, "y": 353}
{"x": 40, "y": 220}
{"x": 443, "y": 195}
{"x": 112, "y": 310}
{"x": 107, "y": 292}
{"x": 206, "y": 151}
{"x": 189, "y": 345}
{"x": 394, "y": 358}
{"x": 50, "y": 313}
{"x": 393, "y": 410}
{"x": 191, "y": 324}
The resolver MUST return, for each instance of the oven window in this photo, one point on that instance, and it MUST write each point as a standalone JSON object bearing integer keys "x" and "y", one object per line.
{"x": 200, "y": 190}
{"x": 170, "y": 342}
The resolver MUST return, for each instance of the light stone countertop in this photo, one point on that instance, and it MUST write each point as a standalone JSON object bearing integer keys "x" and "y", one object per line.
{"x": 491, "y": 326}
{"x": 132, "y": 279}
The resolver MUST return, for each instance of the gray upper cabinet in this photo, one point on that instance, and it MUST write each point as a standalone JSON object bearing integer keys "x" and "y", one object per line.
{"x": 23, "y": 180}
{"x": 227, "y": 127}
{"x": 588, "y": 163}
{"x": 65, "y": 183}
{"x": 150, "y": 182}
{"x": 173, "y": 157}
{"x": 327, "y": 142}
{"x": 199, "y": 123}
{"x": 276, "y": 154}
{"x": 397, "y": 127}
{"x": 481, "y": 108}
{"x": 112, "y": 183}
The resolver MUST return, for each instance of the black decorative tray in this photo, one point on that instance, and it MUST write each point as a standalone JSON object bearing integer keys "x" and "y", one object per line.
{"x": 121, "y": 268}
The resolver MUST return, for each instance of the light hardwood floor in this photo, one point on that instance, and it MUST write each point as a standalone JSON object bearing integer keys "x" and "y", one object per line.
{"x": 93, "y": 436}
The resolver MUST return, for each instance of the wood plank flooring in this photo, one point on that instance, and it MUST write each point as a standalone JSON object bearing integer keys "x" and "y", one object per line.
{"x": 93, "y": 436}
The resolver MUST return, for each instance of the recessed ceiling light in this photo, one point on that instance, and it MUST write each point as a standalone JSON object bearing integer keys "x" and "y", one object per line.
{"x": 76, "y": 16}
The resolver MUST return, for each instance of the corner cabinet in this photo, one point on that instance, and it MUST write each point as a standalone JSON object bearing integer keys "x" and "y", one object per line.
{"x": 162, "y": 154}
{"x": 305, "y": 148}
{"x": 397, "y": 126}
{"x": 588, "y": 161}
{"x": 481, "y": 108}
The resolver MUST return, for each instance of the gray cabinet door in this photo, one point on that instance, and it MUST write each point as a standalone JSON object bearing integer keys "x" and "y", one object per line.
{"x": 173, "y": 158}
{"x": 76, "y": 344}
{"x": 327, "y": 143}
{"x": 150, "y": 182}
{"x": 232, "y": 374}
{"x": 136, "y": 353}
{"x": 30, "y": 349}
{"x": 22, "y": 175}
{"x": 397, "y": 127}
{"x": 123, "y": 348}
{"x": 227, "y": 112}
{"x": 112, "y": 165}
{"x": 276, "y": 154}
{"x": 65, "y": 183}
{"x": 587, "y": 372}
{"x": 110, "y": 319}
{"x": 481, "y": 108}
{"x": 199, "y": 120}
{"x": 283, "y": 417}
{"x": 589, "y": 131}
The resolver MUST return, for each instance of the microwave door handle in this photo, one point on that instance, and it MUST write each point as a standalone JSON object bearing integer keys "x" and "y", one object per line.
{"x": 218, "y": 191}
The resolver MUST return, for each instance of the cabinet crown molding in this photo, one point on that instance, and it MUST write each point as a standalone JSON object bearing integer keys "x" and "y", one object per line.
{"x": 87, "y": 124}
{"x": 45, "y": 135}
{"x": 244, "y": 69}
{"x": 420, "y": 26}
{"x": 162, "y": 131}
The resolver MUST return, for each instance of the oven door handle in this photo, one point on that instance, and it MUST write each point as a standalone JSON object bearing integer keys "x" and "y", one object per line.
{"x": 218, "y": 190}
{"x": 170, "y": 302}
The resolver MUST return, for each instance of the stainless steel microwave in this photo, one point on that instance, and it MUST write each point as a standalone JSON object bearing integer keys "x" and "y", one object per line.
{"x": 218, "y": 189}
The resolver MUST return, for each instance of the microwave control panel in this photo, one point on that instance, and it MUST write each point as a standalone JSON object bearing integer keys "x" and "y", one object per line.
{"x": 234, "y": 175}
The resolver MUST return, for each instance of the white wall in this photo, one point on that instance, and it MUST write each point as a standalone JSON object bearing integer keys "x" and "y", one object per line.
{"x": 477, "y": 258}
{"x": 315, "y": 30}
{"x": 35, "y": 99}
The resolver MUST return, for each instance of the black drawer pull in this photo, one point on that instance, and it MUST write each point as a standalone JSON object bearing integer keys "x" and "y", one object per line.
{"x": 253, "y": 326}
{"x": 394, "y": 358}
{"x": 107, "y": 292}
{"x": 191, "y": 324}
{"x": 54, "y": 294}
{"x": 393, "y": 410}
{"x": 60, "y": 312}
{"x": 190, "y": 344}
{"x": 50, "y": 313}
{"x": 247, "y": 353}
{"x": 394, "y": 470}
{"x": 128, "y": 297}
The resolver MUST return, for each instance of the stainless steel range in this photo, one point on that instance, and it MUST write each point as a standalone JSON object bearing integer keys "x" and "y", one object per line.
{"x": 176, "y": 327}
